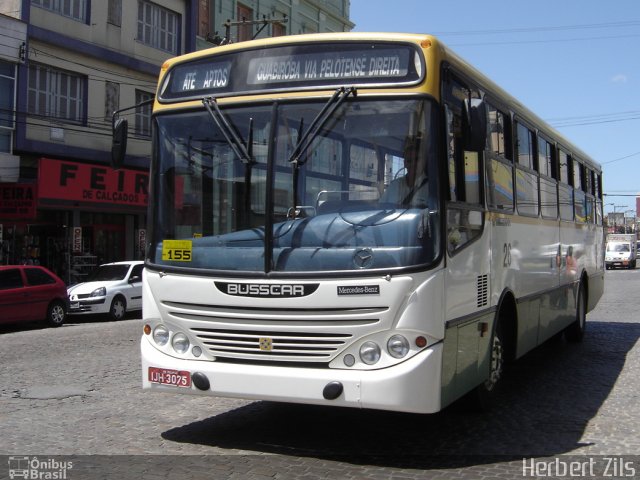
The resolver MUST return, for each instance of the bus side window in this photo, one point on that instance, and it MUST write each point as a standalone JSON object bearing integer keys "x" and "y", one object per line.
{"x": 499, "y": 165}
{"x": 565, "y": 192}
{"x": 465, "y": 205}
{"x": 527, "y": 196}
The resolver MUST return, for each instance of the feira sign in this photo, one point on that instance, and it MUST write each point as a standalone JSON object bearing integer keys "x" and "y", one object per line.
{"x": 281, "y": 67}
{"x": 63, "y": 182}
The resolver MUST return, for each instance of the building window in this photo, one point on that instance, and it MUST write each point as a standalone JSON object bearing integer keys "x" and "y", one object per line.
{"x": 245, "y": 32}
{"x": 55, "y": 93}
{"x": 204, "y": 28}
{"x": 278, "y": 30}
{"x": 157, "y": 27}
{"x": 111, "y": 99}
{"x": 143, "y": 114}
{"x": 114, "y": 12}
{"x": 76, "y": 9}
{"x": 7, "y": 114}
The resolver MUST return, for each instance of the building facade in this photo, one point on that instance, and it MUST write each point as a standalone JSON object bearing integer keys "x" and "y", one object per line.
{"x": 267, "y": 18}
{"x": 65, "y": 68}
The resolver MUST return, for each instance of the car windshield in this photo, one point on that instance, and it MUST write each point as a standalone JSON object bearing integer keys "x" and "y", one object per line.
{"x": 108, "y": 273}
{"x": 618, "y": 247}
{"x": 353, "y": 189}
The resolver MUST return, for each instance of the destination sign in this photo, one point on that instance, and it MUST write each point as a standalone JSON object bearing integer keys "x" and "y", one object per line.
{"x": 335, "y": 66}
{"x": 294, "y": 66}
{"x": 209, "y": 76}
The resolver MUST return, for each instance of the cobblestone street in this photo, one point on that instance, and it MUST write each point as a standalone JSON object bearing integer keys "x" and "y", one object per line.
{"x": 75, "y": 391}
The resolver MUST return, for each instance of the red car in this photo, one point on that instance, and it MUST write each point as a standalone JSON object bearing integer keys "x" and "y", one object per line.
{"x": 31, "y": 293}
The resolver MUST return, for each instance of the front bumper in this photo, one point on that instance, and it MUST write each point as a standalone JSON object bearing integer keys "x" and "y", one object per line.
{"x": 411, "y": 386}
{"x": 617, "y": 263}
{"x": 87, "y": 306}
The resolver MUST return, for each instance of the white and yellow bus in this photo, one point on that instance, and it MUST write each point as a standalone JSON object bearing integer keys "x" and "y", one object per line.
{"x": 358, "y": 220}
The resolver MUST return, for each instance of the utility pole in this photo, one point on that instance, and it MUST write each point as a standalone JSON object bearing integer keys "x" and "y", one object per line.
{"x": 244, "y": 22}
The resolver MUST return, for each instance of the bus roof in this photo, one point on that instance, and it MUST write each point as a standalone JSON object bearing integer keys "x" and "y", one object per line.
{"x": 435, "y": 53}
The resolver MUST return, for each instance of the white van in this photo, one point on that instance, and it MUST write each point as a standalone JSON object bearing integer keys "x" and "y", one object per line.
{"x": 621, "y": 251}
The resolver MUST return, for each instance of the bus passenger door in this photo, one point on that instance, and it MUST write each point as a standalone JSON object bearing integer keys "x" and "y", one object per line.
{"x": 467, "y": 245}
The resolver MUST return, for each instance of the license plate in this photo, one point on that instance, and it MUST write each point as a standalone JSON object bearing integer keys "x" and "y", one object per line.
{"x": 177, "y": 378}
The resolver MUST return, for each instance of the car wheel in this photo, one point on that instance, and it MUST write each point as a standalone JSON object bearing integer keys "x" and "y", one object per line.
{"x": 118, "y": 308}
{"x": 56, "y": 313}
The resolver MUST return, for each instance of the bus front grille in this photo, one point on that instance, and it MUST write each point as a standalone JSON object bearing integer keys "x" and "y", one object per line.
{"x": 270, "y": 345}
{"x": 275, "y": 336}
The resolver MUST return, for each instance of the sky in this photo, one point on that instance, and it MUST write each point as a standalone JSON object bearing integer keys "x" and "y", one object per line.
{"x": 575, "y": 63}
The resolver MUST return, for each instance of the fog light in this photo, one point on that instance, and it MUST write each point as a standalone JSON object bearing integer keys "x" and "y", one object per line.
{"x": 180, "y": 343}
{"x": 398, "y": 346}
{"x": 161, "y": 335}
{"x": 349, "y": 360}
{"x": 196, "y": 351}
{"x": 370, "y": 353}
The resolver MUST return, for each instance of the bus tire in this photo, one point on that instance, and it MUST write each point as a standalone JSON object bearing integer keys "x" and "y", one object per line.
{"x": 575, "y": 332}
{"x": 484, "y": 396}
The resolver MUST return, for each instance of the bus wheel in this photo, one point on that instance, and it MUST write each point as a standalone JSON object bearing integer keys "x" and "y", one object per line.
{"x": 486, "y": 393}
{"x": 575, "y": 331}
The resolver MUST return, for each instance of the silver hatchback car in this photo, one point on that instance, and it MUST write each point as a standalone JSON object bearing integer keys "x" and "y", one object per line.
{"x": 113, "y": 289}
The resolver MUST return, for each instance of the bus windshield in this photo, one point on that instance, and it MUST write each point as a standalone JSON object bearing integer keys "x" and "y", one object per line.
{"x": 361, "y": 194}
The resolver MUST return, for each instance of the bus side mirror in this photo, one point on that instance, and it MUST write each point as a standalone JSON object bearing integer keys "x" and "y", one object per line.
{"x": 475, "y": 118}
{"x": 119, "y": 142}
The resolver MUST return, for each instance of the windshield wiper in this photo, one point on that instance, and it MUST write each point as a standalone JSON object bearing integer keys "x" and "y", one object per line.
{"x": 338, "y": 97}
{"x": 242, "y": 151}
{"x": 234, "y": 141}
{"x": 305, "y": 141}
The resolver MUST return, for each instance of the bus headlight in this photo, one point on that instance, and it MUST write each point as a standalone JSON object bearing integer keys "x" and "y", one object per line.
{"x": 398, "y": 346}
{"x": 180, "y": 343}
{"x": 161, "y": 335}
{"x": 370, "y": 353}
